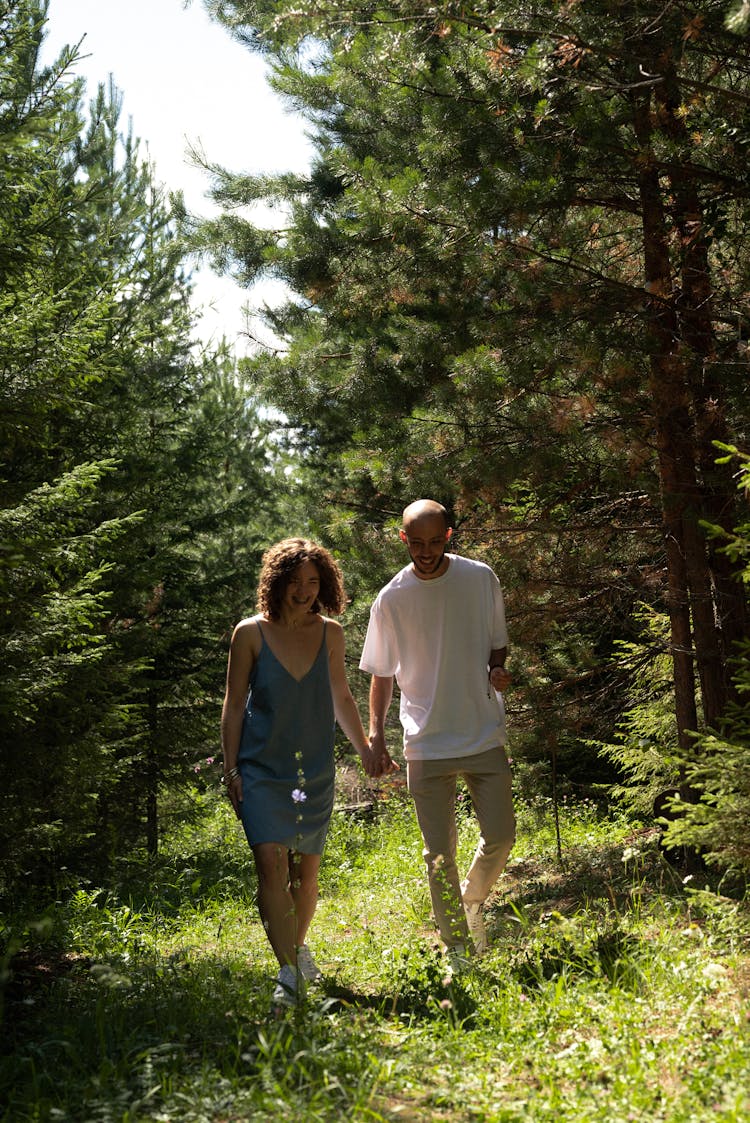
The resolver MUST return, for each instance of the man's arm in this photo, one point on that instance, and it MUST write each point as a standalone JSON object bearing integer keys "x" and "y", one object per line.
{"x": 381, "y": 693}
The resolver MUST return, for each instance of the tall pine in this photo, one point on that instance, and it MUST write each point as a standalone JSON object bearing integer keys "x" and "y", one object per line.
{"x": 521, "y": 262}
{"x": 138, "y": 485}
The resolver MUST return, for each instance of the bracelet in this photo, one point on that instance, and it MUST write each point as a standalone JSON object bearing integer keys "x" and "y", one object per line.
{"x": 230, "y": 775}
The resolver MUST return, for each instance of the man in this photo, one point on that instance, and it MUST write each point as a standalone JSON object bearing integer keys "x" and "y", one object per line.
{"x": 439, "y": 629}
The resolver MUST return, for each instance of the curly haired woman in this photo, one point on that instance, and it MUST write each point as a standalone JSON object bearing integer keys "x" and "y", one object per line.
{"x": 286, "y": 688}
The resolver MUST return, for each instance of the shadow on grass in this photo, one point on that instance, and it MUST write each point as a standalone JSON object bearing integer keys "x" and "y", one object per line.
{"x": 80, "y": 1034}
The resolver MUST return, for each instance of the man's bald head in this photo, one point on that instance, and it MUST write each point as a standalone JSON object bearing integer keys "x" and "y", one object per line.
{"x": 422, "y": 509}
{"x": 425, "y": 533}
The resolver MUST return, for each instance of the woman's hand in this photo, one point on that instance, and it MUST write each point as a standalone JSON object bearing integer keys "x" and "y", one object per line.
{"x": 234, "y": 791}
{"x": 376, "y": 760}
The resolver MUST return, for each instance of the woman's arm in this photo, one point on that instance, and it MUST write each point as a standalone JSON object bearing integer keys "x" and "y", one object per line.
{"x": 345, "y": 708}
{"x": 242, "y": 656}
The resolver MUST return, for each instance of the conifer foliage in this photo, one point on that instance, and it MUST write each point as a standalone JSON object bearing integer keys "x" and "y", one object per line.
{"x": 136, "y": 483}
{"x": 521, "y": 269}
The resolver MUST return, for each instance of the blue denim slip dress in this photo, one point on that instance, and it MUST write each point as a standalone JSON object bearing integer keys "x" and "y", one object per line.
{"x": 286, "y": 754}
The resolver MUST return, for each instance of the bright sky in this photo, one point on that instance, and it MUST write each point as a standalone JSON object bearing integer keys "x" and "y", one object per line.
{"x": 185, "y": 82}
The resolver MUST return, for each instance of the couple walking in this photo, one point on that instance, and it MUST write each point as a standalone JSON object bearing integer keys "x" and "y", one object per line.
{"x": 438, "y": 629}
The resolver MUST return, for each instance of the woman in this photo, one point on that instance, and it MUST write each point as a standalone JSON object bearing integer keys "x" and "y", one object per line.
{"x": 286, "y": 683}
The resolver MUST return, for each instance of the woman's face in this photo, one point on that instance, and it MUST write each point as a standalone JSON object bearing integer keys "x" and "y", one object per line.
{"x": 303, "y": 588}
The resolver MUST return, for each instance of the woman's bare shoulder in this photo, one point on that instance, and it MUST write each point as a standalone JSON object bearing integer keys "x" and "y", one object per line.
{"x": 334, "y": 632}
{"x": 248, "y": 632}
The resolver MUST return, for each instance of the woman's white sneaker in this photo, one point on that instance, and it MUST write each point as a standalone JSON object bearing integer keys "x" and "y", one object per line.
{"x": 289, "y": 989}
{"x": 308, "y": 968}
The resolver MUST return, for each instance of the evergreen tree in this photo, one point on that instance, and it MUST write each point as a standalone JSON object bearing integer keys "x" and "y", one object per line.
{"x": 139, "y": 486}
{"x": 521, "y": 257}
{"x": 57, "y": 700}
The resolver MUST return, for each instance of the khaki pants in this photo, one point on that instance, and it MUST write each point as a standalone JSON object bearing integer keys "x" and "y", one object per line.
{"x": 432, "y": 785}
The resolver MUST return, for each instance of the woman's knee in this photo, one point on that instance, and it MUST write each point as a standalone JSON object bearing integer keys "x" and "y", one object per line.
{"x": 271, "y": 864}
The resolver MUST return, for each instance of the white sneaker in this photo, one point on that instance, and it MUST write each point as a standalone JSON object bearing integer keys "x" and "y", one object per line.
{"x": 287, "y": 992}
{"x": 477, "y": 930}
{"x": 308, "y": 968}
{"x": 459, "y": 959}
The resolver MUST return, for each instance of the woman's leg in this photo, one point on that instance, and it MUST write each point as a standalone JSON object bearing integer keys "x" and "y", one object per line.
{"x": 276, "y": 905}
{"x": 303, "y": 879}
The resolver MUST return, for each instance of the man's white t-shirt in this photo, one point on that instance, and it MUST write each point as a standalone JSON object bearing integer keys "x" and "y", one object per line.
{"x": 436, "y": 636}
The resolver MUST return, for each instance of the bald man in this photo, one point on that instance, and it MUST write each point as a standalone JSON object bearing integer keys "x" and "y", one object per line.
{"x": 438, "y": 628}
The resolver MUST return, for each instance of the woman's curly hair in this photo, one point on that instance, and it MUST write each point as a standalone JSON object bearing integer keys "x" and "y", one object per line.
{"x": 278, "y": 567}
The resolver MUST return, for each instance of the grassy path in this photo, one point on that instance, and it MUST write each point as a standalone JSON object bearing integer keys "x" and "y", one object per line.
{"x": 612, "y": 991}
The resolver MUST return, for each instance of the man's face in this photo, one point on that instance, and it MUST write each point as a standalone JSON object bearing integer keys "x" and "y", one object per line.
{"x": 426, "y": 540}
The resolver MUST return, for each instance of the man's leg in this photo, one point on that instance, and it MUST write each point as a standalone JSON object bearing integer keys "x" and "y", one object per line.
{"x": 488, "y": 779}
{"x": 432, "y": 785}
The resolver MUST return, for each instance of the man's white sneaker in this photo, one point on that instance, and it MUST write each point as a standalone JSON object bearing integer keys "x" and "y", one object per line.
{"x": 287, "y": 992}
{"x": 308, "y": 968}
{"x": 459, "y": 959}
{"x": 477, "y": 930}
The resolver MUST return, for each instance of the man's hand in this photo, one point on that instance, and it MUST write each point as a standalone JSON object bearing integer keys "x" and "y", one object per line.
{"x": 500, "y": 679}
{"x": 376, "y": 760}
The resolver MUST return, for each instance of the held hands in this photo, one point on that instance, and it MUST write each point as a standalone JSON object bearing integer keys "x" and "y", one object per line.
{"x": 500, "y": 679}
{"x": 376, "y": 760}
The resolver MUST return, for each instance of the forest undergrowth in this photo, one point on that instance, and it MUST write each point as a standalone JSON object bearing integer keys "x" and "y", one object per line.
{"x": 616, "y": 987}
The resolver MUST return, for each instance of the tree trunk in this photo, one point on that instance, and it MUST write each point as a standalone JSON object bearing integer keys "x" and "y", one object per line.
{"x": 722, "y": 620}
{"x": 672, "y": 422}
{"x": 152, "y": 775}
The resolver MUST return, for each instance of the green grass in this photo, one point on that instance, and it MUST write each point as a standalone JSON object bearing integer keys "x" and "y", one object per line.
{"x": 613, "y": 990}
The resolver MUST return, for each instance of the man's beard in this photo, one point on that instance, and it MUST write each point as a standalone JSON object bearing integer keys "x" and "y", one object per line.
{"x": 431, "y": 568}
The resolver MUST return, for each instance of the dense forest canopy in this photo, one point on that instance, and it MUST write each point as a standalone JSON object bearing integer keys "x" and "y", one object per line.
{"x": 520, "y": 278}
{"x": 518, "y": 275}
{"x": 138, "y": 482}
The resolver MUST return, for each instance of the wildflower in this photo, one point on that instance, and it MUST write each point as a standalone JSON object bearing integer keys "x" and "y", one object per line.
{"x": 210, "y": 759}
{"x": 298, "y": 795}
{"x": 446, "y": 1004}
{"x": 196, "y": 768}
{"x": 714, "y": 972}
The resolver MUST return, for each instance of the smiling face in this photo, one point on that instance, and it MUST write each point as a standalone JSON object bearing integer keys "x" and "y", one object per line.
{"x": 302, "y": 591}
{"x": 426, "y": 538}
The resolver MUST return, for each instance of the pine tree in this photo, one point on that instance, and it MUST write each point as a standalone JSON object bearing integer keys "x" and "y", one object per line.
{"x": 521, "y": 254}
{"x": 57, "y": 701}
{"x": 139, "y": 486}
